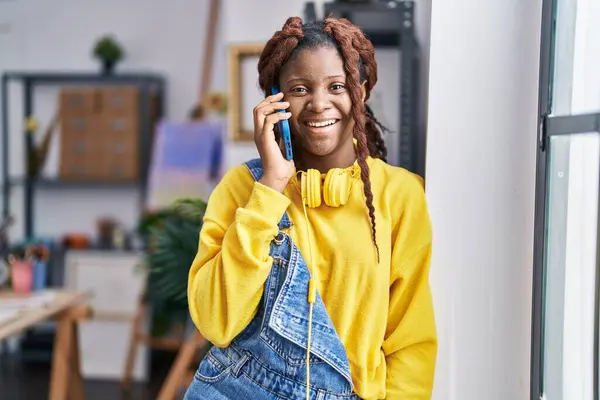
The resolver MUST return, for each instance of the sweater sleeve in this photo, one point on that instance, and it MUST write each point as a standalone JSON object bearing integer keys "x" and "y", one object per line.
{"x": 410, "y": 345}
{"x": 226, "y": 279}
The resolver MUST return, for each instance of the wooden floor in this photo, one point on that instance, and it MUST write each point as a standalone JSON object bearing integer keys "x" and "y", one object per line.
{"x": 29, "y": 381}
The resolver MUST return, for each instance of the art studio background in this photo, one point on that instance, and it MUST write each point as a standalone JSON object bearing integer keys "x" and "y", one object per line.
{"x": 118, "y": 118}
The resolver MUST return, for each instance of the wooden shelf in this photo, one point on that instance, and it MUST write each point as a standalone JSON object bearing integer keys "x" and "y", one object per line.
{"x": 81, "y": 77}
{"x": 52, "y": 183}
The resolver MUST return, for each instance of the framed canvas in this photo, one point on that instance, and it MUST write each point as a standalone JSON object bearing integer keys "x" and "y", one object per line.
{"x": 243, "y": 90}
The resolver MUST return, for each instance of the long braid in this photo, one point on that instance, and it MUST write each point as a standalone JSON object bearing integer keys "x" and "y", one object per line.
{"x": 349, "y": 38}
{"x": 374, "y": 130}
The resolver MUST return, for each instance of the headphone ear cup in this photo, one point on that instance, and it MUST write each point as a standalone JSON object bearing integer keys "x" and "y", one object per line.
{"x": 336, "y": 189}
{"x": 311, "y": 188}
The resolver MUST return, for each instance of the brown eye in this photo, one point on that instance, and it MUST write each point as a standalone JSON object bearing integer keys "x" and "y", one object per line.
{"x": 337, "y": 87}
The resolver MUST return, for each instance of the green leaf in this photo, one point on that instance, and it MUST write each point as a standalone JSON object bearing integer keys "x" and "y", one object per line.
{"x": 172, "y": 239}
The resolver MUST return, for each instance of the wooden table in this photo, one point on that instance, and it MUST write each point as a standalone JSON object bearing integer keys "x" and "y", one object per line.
{"x": 67, "y": 308}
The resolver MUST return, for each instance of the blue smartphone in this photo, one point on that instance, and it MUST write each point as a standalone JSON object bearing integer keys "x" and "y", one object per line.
{"x": 284, "y": 130}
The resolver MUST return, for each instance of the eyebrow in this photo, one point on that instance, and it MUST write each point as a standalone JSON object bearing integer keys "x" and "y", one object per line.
{"x": 293, "y": 78}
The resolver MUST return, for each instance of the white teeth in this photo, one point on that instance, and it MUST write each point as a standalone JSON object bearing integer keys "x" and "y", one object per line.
{"x": 321, "y": 123}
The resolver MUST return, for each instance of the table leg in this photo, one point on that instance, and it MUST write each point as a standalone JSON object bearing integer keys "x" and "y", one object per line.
{"x": 76, "y": 381}
{"x": 61, "y": 358}
{"x": 65, "y": 380}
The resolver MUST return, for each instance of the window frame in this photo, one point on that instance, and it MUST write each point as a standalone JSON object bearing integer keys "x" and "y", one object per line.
{"x": 548, "y": 126}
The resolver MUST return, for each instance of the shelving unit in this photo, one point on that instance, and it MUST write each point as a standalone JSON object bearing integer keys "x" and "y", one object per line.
{"x": 390, "y": 24}
{"x": 37, "y": 343}
{"x": 147, "y": 85}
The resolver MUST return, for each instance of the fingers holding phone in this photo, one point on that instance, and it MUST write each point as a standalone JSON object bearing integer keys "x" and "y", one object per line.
{"x": 277, "y": 170}
{"x": 267, "y": 107}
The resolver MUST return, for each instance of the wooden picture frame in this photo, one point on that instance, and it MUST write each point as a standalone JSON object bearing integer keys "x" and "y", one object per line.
{"x": 243, "y": 91}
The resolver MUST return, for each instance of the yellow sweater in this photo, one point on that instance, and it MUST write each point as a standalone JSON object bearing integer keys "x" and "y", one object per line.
{"x": 383, "y": 312}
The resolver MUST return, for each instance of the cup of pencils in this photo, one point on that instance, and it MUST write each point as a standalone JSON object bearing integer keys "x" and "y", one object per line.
{"x": 21, "y": 274}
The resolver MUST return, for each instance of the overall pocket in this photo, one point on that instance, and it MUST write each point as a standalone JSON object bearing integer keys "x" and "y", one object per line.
{"x": 214, "y": 367}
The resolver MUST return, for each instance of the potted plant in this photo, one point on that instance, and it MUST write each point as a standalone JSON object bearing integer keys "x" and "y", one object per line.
{"x": 109, "y": 52}
{"x": 171, "y": 242}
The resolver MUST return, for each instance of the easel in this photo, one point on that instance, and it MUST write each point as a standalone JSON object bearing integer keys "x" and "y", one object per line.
{"x": 180, "y": 374}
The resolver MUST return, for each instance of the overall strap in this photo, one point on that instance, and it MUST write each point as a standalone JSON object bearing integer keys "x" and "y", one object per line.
{"x": 256, "y": 169}
{"x": 289, "y": 315}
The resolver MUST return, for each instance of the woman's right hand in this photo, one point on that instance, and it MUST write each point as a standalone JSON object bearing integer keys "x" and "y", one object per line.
{"x": 277, "y": 171}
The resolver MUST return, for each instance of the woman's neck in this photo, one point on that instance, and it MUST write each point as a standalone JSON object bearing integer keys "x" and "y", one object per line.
{"x": 342, "y": 157}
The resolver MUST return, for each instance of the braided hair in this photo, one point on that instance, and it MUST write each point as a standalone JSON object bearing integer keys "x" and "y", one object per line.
{"x": 360, "y": 66}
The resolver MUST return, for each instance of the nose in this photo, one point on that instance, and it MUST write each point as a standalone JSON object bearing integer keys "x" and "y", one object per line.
{"x": 319, "y": 101}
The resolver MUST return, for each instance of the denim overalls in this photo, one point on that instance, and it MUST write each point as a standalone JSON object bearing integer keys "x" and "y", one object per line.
{"x": 268, "y": 359}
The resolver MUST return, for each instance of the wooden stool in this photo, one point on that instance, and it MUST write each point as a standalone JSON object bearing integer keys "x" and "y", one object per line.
{"x": 180, "y": 375}
{"x": 139, "y": 338}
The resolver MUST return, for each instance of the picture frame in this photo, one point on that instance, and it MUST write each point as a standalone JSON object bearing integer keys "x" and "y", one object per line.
{"x": 243, "y": 91}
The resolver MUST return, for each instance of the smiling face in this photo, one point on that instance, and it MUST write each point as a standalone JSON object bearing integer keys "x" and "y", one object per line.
{"x": 314, "y": 83}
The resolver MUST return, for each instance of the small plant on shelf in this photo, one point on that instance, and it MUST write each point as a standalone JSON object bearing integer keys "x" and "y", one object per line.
{"x": 38, "y": 153}
{"x": 109, "y": 52}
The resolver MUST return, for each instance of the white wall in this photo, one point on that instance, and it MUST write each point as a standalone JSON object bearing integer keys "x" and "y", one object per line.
{"x": 480, "y": 181}
{"x": 159, "y": 36}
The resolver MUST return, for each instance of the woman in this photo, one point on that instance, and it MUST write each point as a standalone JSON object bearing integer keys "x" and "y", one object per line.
{"x": 311, "y": 277}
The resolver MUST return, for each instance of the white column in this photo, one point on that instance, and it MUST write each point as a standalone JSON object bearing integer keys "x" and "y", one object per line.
{"x": 483, "y": 100}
